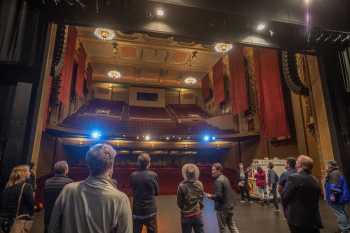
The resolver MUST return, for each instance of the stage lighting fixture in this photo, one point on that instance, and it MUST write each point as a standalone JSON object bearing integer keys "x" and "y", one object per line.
{"x": 147, "y": 137}
{"x": 213, "y": 138}
{"x": 96, "y": 134}
{"x": 104, "y": 33}
{"x": 206, "y": 138}
{"x": 261, "y": 27}
{"x": 160, "y": 12}
{"x": 167, "y": 138}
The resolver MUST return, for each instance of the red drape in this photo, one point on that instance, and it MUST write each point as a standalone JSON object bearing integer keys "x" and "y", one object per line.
{"x": 66, "y": 73}
{"x": 206, "y": 87}
{"x": 89, "y": 72}
{"x": 47, "y": 103}
{"x": 273, "y": 121}
{"x": 218, "y": 78}
{"x": 239, "y": 96}
{"x": 79, "y": 87}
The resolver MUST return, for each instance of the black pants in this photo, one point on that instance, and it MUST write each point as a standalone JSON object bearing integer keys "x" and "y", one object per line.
{"x": 195, "y": 223}
{"x": 296, "y": 229}
{"x": 245, "y": 192}
{"x": 274, "y": 196}
{"x": 149, "y": 223}
{"x": 226, "y": 220}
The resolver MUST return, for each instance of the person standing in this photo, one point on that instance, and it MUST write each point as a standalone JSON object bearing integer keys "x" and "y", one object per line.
{"x": 224, "y": 200}
{"x": 290, "y": 169}
{"x": 53, "y": 187}
{"x": 260, "y": 181}
{"x": 272, "y": 181}
{"x": 94, "y": 205}
{"x": 145, "y": 187}
{"x": 190, "y": 199}
{"x": 301, "y": 199}
{"x": 337, "y": 195}
{"x": 17, "y": 201}
{"x": 243, "y": 184}
{"x": 32, "y": 178}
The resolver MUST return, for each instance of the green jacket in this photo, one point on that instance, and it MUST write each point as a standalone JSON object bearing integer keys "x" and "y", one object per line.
{"x": 190, "y": 196}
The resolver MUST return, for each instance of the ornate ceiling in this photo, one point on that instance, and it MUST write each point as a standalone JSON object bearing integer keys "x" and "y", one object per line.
{"x": 147, "y": 60}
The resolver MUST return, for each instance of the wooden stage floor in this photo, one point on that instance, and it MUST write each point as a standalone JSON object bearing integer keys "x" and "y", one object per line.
{"x": 250, "y": 218}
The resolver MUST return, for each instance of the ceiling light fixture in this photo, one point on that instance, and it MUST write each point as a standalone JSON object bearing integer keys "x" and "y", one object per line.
{"x": 190, "y": 80}
{"x": 223, "y": 47}
{"x": 261, "y": 27}
{"x": 160, "y": 12}
{"x": 114, "y": 74}
{"x": 104, "y": 33}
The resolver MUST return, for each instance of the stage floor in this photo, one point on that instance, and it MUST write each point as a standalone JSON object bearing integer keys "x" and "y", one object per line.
{"x": 250, "y": 218}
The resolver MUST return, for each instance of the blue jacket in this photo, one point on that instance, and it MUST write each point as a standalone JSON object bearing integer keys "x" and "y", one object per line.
{"x": 336, "y": 185}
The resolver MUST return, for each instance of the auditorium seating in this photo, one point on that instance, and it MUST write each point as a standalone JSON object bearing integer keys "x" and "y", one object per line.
{"x": 149, "y": 113}
{"x": 168, "y": 177}
{"x": 187, "y": 111}
{"x": 101, "y": 107}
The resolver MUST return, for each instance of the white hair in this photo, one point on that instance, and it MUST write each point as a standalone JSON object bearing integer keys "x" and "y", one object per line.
{"x": 190, "y": 171}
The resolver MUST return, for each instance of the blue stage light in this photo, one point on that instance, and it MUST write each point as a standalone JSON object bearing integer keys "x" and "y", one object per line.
{"x": 213, "y": 138}
{"x": 96, "y": 134}
{"x": 206, "y": 138}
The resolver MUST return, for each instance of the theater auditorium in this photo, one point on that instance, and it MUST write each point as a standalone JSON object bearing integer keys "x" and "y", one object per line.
{"x": 185, "y": 82}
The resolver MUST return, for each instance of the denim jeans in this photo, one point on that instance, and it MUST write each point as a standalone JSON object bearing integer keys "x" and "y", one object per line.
{"x": 342, "y": 217}
{"x": 195, "y": 223}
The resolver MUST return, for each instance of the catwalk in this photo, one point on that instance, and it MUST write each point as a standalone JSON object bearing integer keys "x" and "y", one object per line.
{"x": 250, "y": 218}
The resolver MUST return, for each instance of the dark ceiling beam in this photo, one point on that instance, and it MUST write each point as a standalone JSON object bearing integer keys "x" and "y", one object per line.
{"x": 331, "y": 15}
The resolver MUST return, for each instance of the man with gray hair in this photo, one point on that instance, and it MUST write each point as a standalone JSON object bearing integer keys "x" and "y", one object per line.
{"x": 94, "y": 205}
{"x": 190, "y": 199}
{"x": 53, "y": 187}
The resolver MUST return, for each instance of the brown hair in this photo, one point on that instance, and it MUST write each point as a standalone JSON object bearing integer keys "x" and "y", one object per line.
{"x": 18, "y": 175}
{"x": 100, "y": 158}
{"x": 143, "y": 160}
{"x": 218, "y": 167}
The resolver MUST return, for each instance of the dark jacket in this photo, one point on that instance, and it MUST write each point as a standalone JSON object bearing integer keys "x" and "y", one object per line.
{"x": 284, "y": 177}
{"x": 190, "y": 197}
{"x": 336, "y": 187}
{"x": 272, "y": 178}
{"x": 53, "y": 187}
{"x": 223, "y": 196}
{"x": 9, "y": 201}
{"x": 145, "y": 187}
{"x": 301, "y": 200}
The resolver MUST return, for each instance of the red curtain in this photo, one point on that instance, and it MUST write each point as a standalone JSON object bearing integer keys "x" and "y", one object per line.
{"x": 239, "y": 96}
{"x": 273, "y": 121}
{"x": 66, "y": 73}
{"x": 218, "y": 78}
{"x": 89, "y": 72}
{"x": 47, "y": 103}
{"x": 206, "y": 87}
{"x": 79, "y": 87}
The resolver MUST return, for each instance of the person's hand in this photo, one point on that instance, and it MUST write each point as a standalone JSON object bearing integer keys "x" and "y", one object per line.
{"x": 208, "y": 195}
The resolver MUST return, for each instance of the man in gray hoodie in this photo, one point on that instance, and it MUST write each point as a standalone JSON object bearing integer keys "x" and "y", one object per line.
{"x": 94, "y": 205}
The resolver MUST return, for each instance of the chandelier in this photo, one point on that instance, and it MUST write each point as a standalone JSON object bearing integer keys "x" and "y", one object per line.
{"x": 104, "y": 33}
{"x": 114, "y": 74}
{"x": 223, "y": 47}
{"x": 190, "y": 80}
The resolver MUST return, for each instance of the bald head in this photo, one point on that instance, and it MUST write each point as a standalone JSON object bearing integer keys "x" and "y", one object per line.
{"x": 305, "y": 163}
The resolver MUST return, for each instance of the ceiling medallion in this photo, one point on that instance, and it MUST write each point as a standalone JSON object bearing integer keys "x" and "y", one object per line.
{"x": 104, "y": 33}
{"x": 223, "y": 47}
{"x": 190, "y": 80}
{"x": 114, "y": 74}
